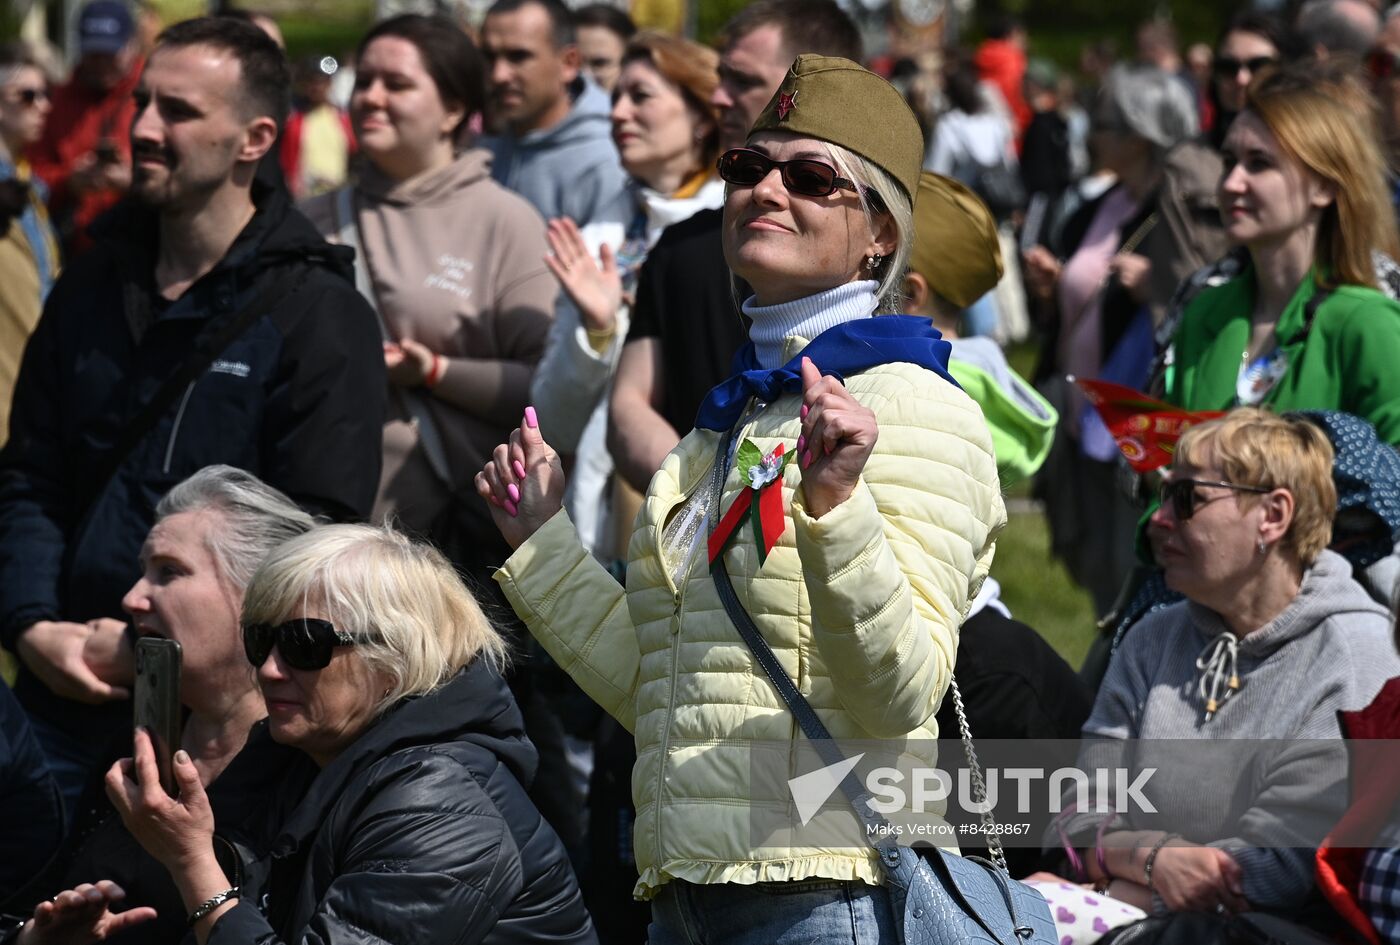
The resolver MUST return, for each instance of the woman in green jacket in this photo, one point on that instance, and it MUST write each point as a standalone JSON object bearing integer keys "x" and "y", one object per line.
{"x": 1302, "y": 326}
{"x": 869, "y": 547}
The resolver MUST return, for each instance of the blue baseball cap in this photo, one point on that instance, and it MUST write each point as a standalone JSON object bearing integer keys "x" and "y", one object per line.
{"x": 105, "y": 26}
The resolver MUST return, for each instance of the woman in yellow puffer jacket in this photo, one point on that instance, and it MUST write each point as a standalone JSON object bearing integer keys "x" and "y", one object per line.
{"x": 873, "y": 538}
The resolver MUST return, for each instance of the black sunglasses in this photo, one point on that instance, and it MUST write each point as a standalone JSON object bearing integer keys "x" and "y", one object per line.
{"x": 1184, "y": 500}
{"x": 30, "y": 96}
{"x": 1229, "y": 67}
{"x": 305, "y": 643}
{"x": 745, "y": 168}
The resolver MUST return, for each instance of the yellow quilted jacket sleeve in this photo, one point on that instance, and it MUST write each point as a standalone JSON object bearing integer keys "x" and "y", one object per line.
{"x": 578, "y": 613}
{"x": 891, "y": 571}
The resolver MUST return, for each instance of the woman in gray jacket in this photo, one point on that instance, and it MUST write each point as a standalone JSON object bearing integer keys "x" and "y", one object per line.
{"x": 1230, "y": 698}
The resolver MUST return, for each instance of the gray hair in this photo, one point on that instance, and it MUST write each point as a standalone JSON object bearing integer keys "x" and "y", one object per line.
{"x": 1327, "y": 23}
{"x": 400, "y": 599}
{"x": 1155, "y": 105}
{"x": 255, "y": 518}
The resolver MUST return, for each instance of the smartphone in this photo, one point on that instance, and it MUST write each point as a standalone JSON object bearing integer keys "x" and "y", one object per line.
{"x": 157, "y": 702}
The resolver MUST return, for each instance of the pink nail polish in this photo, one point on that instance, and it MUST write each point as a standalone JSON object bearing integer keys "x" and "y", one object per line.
{"x": 532, "y": 419}
{"x": 801, "y": 442}
{"x": 804, "y": 412}
{"x": 513, "y": 491}
{"x": 512, "y": 509}
{"x": 518, "y": 468}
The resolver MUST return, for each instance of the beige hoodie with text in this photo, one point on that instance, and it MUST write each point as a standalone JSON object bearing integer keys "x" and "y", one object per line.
{"x": 456, "y": 263}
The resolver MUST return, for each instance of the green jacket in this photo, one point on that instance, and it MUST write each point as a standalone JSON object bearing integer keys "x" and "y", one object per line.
{"x": 1349, "y": 360}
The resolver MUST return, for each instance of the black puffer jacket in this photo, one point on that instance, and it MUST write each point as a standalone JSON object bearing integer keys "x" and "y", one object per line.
{"x": 420, "y": 831}
{"x": 297, "y": 399}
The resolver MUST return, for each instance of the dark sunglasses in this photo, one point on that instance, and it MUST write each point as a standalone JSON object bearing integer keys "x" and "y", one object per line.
{"x": 1229, "y": 67}
{"x": 305, "y": 643}
{"x": 1184, "y": 500}
{"x": 31, "y": 96}
{"x": 745, "y": 168}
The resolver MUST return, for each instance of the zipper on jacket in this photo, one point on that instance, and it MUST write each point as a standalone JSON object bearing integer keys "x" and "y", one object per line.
{"x": 175, "y": 430}
{"x": 678, "y": 596}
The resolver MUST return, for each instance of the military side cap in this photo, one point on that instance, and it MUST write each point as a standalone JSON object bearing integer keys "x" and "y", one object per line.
{"x": 836, "y": 100}
{"x": 955, "y": 240}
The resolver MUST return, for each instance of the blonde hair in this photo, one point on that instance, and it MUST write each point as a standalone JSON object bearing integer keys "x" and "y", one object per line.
{"x": 869, "y": 176}
{"x": 401, "y": 600}
{"x": 1326, "y": 120}
{"x": 1254, "y": 447}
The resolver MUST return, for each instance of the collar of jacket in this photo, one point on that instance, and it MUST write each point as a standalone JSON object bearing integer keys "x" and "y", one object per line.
{"x": 474, "y": 706}
{"x": 276, "y": 235}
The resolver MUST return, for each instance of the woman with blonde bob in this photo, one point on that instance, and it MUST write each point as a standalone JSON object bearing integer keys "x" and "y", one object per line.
{"x": 1273, "y": 640}
{"x": 1303, "y": 325}
{"x": 376, "y": 662}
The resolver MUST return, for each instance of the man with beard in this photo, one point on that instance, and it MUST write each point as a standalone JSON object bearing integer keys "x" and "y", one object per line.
{"x": 554, "y": 134}
{"x": 210, "y": 324}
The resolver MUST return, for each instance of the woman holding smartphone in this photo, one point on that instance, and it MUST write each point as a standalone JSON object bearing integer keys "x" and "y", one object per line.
{"x": 211, "y": 532}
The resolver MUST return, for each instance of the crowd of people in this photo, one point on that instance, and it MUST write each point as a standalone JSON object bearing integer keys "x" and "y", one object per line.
{"x": 505, "y": 418}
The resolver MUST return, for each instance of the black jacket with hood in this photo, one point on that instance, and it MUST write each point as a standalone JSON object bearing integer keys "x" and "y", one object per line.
{"x": 297, "y": 399}
{"x": 420, "y": 831}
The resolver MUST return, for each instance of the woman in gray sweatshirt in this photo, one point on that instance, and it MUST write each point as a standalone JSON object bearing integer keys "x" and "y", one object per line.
{"x": 1223, "y": 708}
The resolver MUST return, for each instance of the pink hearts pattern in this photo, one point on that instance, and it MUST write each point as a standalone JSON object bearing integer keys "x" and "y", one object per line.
{"x": 1063, "y": 915}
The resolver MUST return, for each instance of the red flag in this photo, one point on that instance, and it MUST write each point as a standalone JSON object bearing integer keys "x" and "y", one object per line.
{"x": 1146, "y": 429}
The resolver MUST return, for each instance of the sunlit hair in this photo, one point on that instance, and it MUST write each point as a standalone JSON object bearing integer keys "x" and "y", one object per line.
{"x": 869, "y": 176}
{"x": 15, "y": 57}
{"x": 253, "y": 518}
{"x": 400, "y": 599}
{"x": 1325, "y": 119}
{"x": 1253, "y": 447}
{"x": 691, "y": 68}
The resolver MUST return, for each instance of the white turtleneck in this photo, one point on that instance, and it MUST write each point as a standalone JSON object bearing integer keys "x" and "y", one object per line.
{"x": 808, "y": 316}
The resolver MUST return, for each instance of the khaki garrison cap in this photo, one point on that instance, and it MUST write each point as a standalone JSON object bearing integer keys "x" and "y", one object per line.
{"x": 955, "y": 241}
{"x": 836, "y": 100}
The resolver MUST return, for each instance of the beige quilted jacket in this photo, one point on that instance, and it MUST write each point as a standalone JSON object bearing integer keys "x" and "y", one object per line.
{"x": 861, "y": 606}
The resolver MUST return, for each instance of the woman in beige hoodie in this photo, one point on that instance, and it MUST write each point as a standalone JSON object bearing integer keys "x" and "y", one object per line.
{"x": 451, "y": 260}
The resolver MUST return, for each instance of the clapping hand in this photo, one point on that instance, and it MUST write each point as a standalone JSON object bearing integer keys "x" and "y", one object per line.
{"x": 523, "y": 483}
{"x": 596, "y": 292}
{"x": 838, "y": 435}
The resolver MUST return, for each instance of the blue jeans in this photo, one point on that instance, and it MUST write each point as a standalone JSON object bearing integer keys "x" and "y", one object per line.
{"x": 807, "y": 912}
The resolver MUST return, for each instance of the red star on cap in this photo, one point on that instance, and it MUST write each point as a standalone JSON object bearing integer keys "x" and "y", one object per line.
{"x": 786, "y": 102}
